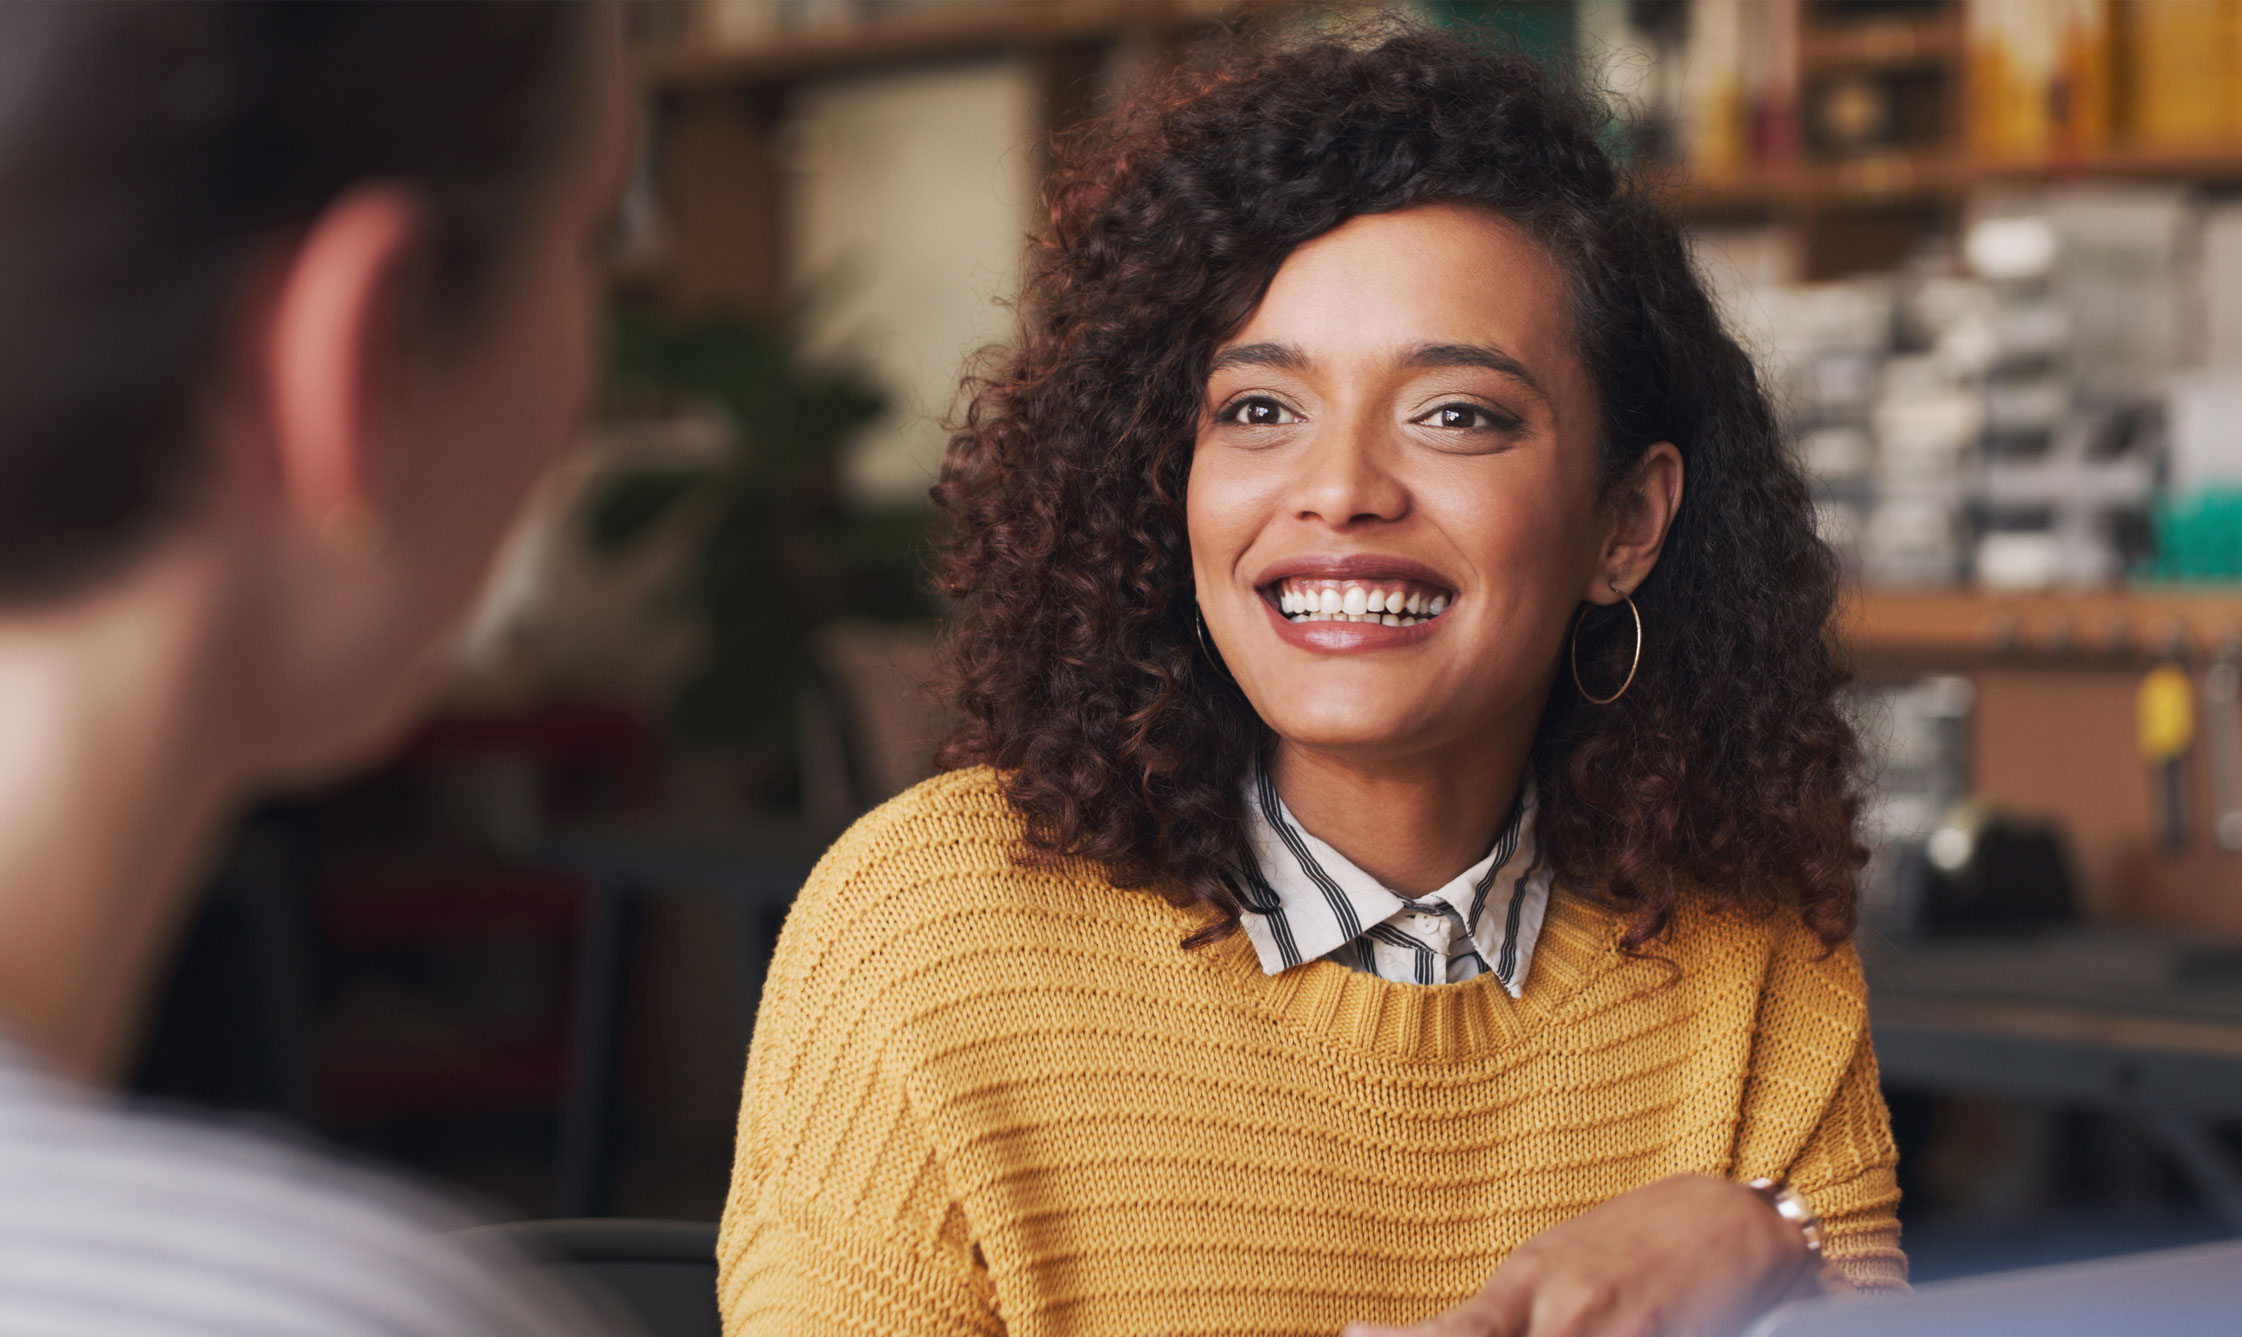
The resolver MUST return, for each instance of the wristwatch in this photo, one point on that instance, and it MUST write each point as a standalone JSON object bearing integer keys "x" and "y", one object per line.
{"x": 1792, "y": 1208}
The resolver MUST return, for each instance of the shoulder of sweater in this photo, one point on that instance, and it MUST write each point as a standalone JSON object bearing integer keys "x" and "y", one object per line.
{"x": 950, "y": 850}
{"x": 1775, "y": 945}
{"x": 960, "y": 814}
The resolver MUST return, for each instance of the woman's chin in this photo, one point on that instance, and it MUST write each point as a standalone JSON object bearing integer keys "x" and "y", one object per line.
{"x": 1346, "y": 727}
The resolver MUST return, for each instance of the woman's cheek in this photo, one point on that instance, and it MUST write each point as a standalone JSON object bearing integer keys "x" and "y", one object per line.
{"x": 1521, "y": 535}
{"x": 1216, "y": 519}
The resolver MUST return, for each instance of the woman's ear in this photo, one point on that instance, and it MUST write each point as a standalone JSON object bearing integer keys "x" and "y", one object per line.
{"x": 1641, "y": 512}
{"x": 334, "y": 346}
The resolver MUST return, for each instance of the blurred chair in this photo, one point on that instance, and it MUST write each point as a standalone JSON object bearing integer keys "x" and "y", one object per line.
{"x": 234, "y": 1029}
{"x": 870, "y": 729}
{"x": 660, "y": 1275}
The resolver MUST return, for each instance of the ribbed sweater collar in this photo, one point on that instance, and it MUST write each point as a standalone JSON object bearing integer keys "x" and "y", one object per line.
{"x": 1412, "y": 1023}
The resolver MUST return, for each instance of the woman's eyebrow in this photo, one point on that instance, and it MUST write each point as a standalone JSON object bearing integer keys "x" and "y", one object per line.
{"x": 1284, "y": 357}
{"x": 1474, "y": 355}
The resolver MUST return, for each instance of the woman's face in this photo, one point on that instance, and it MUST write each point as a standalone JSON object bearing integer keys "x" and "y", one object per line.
{"x": 1393, "y": 504}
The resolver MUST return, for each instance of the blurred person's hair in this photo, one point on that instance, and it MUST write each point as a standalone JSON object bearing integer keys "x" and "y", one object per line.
{"x": 1726, "y": 772}
{"x": 149, "y": 151}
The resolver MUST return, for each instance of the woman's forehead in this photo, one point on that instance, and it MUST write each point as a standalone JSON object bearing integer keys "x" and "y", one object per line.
{"x": 1419, "y": 286}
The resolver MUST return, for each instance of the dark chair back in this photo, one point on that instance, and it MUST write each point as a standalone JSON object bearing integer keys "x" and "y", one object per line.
{"x": 661, "y": 1275}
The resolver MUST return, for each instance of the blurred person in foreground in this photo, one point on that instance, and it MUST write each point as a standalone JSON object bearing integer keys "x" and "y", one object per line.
{"x": 1397, "y": 862}
{"x": 295, "y": 305}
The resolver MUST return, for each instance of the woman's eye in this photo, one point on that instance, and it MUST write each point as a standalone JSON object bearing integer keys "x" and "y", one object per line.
{"x": 1259, "y": 412}
{"x": 1460, "y": 417}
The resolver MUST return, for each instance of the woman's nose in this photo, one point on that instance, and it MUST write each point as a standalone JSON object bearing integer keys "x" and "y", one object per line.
{"x": 1345, "y": 478}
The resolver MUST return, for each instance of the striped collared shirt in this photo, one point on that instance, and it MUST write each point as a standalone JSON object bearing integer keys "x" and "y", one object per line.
{"x": 1305, "y": 901}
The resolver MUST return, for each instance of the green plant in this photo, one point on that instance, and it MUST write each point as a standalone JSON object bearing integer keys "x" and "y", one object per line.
{"x": 775, "y": 551}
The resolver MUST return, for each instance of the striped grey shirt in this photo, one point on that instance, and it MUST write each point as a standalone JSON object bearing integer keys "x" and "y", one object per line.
{"x": 1305, "y": 901}
{"x": 121, "y": 1223}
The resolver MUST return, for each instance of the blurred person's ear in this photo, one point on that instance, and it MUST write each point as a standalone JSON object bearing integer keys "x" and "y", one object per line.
{"x": 332, "y": 355}
{"x": 334, "y": 382}
{"x": 392, "y": 398}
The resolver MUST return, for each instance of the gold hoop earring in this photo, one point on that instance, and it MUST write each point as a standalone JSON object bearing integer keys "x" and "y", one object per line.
{"x": 1632, "y": 665}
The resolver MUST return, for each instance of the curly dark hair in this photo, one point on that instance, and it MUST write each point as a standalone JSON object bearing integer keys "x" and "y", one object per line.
{"x": 1727, "y": 771}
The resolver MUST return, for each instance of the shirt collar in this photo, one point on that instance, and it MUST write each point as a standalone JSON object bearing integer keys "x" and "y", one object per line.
{"x": 1303, "y": 900}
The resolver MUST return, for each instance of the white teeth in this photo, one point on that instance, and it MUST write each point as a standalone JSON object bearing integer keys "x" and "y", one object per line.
{"x": 1347, "y": 602}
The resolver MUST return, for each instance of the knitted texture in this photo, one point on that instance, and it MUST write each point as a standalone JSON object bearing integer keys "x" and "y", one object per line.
{"x": 987, "y": 1098}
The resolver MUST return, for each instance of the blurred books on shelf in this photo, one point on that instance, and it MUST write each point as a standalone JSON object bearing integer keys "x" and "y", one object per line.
{"x": 2039, "y": 76}
{"x": 1888, "y": 114}
{"x": 2184, "y": 68}
{"x": 2050, "y": 397}
{"x": 713, "y": 43}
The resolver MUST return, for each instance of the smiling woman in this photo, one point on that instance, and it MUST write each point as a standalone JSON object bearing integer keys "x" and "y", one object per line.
{"x": 1398, "y": 861}
{"x": 1369, "y": 433}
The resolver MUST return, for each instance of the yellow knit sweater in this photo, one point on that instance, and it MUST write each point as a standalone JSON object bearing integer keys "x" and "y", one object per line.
{"x": 983, "y": 1099}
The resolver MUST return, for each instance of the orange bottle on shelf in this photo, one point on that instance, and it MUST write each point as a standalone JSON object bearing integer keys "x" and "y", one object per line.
{"x": 2183, "y": 64}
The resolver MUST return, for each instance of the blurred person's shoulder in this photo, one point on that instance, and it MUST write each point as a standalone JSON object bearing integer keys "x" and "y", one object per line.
{"x": 115, "y": 1219}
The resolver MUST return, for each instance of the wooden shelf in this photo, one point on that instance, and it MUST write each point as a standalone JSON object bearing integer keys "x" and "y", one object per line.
{"x": 1963, "y": 627}
{"x": 914, "y": 39}
{"x": 1882, "y": 43}
{"x": 1888, "y": 179}
{"x": 1922, "y": 178}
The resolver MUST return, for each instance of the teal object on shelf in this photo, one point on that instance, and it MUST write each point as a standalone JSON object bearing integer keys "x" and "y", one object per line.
{"x": 2199, "y": 536}
{"x": 1547, "y": 30}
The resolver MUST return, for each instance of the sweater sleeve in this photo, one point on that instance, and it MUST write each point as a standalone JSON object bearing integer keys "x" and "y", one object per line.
{"x": 1813, "y": 1113}
{"x": 1847, "y": 1173}
{"x": 839, "y": 1219}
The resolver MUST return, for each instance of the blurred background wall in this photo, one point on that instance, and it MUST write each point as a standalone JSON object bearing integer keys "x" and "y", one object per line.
{"x": 1988, "y": 254}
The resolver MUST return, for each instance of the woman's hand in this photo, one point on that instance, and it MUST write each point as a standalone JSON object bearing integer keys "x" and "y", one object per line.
{"x": 1690, "y": 1256}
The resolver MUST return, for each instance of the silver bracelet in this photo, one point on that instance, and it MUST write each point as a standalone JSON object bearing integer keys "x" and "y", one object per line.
{"x": 1792, "y": 1208}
